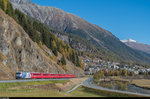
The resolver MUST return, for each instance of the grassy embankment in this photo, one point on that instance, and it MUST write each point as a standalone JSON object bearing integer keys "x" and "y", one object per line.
{"x": 31, "y": 89}
{"x": 50, "y": 89}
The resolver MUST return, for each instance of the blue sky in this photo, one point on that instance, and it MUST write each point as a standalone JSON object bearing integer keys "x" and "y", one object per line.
{"x": 124, "y": 18}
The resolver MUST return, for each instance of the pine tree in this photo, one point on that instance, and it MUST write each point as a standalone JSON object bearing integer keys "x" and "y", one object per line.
{"x": 1, "y": 4}
{"x": 63, "y": 61}
{"x": 73, "y": 57}
{"x": 10, "y": 10}
{"x": 54, "y": 50}
{"x": 77, "y": 60}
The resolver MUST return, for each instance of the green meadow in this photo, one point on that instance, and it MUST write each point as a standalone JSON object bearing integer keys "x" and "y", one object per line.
{"x": 34, "y": 89}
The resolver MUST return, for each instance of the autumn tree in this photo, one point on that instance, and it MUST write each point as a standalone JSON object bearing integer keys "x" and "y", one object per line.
{"x": 52, "y": 57}
{"x": 124, "y": 72}
{"x": 4, "y": 3}
{"x": 131, "y": 73}
{"x": 105, "y": 71}
{"x": 116, "y": 73}
{"x": 40, "y": 44}
{"x": 110, "y": 73}
{"x": 82, "y": 65}
{"x": 59, "y": 63}
{"x": 54, "y": 48}
{"x": 101, "y": 73}
{"x": 120, "y": 72}
{"x": 98, "y": 75}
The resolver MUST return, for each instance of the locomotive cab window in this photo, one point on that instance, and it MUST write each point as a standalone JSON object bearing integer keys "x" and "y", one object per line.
{"x": 18, "y": 73}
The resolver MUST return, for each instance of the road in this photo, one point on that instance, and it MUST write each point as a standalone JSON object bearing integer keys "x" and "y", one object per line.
{"x": 27, "y": 80}
{"x": 89, "y": 83}
{"x": 74, "y": 88}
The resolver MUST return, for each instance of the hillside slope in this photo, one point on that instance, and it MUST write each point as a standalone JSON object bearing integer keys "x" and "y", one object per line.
{"x": 105, "y": 43}
{"x": 19, "y": 53}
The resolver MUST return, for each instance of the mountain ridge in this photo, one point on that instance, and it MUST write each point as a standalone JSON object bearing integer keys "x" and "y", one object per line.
{"x": 103, "y": 41}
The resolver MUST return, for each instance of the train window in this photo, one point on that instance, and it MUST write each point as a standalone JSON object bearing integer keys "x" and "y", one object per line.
{"x": 45, "y": 75}
{"x": 36, "y": 74}
{"x": 52, "y": 74}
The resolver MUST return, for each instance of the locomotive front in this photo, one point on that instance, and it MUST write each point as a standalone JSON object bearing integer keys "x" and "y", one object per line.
{"x": 23, "y": 75}
{"x": 18, "y": 75}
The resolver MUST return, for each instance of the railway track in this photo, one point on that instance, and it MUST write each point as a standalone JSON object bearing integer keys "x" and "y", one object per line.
{"x": 28, "y": 80}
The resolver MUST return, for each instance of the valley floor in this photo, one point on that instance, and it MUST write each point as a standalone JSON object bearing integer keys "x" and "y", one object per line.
{"x": 54, "y": 88}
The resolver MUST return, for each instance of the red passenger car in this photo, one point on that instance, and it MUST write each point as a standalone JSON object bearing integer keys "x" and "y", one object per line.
{"x": 46, "y": 76}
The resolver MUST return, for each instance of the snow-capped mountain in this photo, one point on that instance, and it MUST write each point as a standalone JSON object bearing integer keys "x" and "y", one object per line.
{"x": 136, "y": 45}
{"x": 129, "y": 40}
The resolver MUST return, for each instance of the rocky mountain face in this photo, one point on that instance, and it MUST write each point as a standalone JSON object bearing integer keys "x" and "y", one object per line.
{"x": 63, "y": 21}
{"x": 93, "y": 35}
{"x": 19, "y": 53}
{"x": 136, "y": 45}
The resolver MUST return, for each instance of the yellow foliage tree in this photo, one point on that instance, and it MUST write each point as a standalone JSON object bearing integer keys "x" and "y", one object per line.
{"x": 124, "y": 72}
{"x": 116, "y": 73}
{"x": 64, "y": 68}
{"x": 63, "y": 52}
{"x": 52, "y": 57}
{"x": 54, "y": 44}
{"x": 5, "y": 4}
{"x": 40, "y": 44}
{"x": 81, "y": 64}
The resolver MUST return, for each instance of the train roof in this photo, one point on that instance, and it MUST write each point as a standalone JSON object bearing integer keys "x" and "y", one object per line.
{"x": 36, "y": 72}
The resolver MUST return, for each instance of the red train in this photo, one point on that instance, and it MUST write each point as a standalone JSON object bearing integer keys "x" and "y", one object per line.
{"x": 28, "y": 75}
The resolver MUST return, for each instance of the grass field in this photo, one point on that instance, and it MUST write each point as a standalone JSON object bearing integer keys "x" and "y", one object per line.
{"x": 144, "y": 83}
{"x": 28, "y": 89}
{"x": 48, "y": 89}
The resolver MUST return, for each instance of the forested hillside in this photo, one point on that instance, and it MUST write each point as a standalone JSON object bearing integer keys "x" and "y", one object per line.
{"x": 40, "y": 34}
